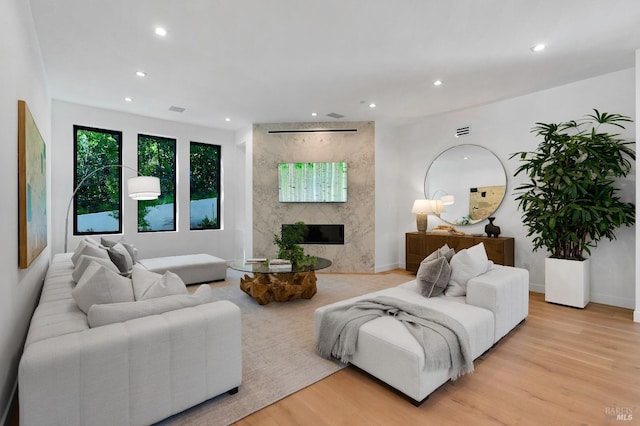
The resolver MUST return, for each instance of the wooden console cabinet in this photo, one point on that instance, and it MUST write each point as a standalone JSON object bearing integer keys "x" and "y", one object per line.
{"x": 421, "y": 244}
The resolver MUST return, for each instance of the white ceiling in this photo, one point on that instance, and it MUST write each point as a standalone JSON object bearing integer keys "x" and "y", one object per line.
{"x": 259, "y": 61}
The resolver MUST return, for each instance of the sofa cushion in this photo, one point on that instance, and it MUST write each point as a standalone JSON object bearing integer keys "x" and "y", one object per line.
{"x": 84, "y": 247}
{"x": 433, "y": 276}
{"x": 101, "y": 285}
{"x": 118, "y": 312}
{"x": 466, "y": 264}
{"x": 150, "y": 285}
{"x": 121, "y": 258}
{"x": 85, "y": 260}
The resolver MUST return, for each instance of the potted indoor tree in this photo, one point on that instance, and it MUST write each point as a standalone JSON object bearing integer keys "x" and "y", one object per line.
{"x": 288, "y": 246}
{"x": 570, "y": 201}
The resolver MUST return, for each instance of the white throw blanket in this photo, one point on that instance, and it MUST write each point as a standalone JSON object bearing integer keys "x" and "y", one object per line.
{"x": 443, "y": 339}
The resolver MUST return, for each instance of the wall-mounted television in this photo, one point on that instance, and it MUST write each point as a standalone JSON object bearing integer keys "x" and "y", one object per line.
{"x": 312, "y": 182}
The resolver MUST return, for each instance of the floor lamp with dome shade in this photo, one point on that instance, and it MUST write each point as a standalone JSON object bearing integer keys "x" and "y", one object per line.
{"x": 139, "y": 188}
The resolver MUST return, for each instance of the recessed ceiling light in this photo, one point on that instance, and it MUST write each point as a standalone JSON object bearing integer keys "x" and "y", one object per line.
{"x": 227, "y": 119}
{"x": 128, "y": 99}
{"x": 141, "y": 73}
{"x": 538, "y": 48}
{"x": 314, "y": 114}
{"x": 437, "y": 83}
{"x": 372, "y": 105}
{"x": 161, "y": 31}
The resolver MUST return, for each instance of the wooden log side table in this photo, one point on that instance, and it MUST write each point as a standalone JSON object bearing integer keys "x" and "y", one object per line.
{"x": 270, "y": 284}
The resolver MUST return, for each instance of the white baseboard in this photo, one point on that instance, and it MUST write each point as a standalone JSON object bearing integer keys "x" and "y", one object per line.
{"x": 636, "y": 316}
{"x": 605, "y": 299}
{"x": 7, "y": 410}
{"x": 385, "y": 268}
{"x": 536, "y": 288}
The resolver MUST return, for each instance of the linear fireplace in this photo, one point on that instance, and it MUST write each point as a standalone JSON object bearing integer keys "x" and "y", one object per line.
{"x": 322, "y": 234}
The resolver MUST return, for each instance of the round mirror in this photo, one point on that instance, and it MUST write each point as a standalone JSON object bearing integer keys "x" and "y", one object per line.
{"x": 469, "y": 180}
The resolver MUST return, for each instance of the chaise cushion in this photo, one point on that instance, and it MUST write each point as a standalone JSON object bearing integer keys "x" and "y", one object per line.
{"x": 191, "y": 268}
{"x": 101, "y": 285}
{"x": 104, "y": 314}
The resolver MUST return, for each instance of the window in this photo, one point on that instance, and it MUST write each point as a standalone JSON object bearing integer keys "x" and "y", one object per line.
{"x": 204, "y": 203}
{"x": 157, "y": 157}
{"x": 97, "y": 204}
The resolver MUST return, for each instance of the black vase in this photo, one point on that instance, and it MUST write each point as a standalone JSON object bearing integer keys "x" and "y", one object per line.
{"x": 491, "y": 229}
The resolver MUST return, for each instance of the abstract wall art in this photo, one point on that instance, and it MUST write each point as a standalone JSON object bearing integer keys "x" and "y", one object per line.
{"x": 32, "y": 188}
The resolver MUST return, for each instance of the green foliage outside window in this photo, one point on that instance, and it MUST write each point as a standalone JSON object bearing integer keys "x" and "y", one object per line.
{"x": 157, "y": 157}
{"x": 205, "y": 184}
{"x": 95, "y": 148}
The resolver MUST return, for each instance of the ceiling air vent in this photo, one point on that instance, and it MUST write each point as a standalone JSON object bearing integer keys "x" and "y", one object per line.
{"x": 176, "y": 108}
{"x": 462, "y": 131}
{"x": 335, "y": 115}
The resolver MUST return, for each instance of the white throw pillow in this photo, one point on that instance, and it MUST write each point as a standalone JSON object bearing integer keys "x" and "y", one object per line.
{"x": 85, "y": 260}
{"x": 466, "y": 264}
{"x": 89, "y": 249}
{"x": 117, "y": 312}
{"x": 169, "y": 284}
{"x": 150, "y": 285}
{"x": 101, "y": 285}
{"x": 142, "y": 279}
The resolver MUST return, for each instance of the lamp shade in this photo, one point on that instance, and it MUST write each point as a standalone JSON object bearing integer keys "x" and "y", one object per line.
{"x": 437, "y": 207}
{"x": 143, "y": 187}
{"x": 422, "y": 206}
{"x": 447, "y": 200}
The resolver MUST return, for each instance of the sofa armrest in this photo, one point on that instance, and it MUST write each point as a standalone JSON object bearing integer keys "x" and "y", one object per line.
{"x": 134, "y": 372}
{"x": 504, "y": 290}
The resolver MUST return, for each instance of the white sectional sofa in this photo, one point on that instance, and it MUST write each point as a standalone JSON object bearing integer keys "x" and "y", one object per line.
{"x": 134, "y": 372}
{"x": 495, "y": 302}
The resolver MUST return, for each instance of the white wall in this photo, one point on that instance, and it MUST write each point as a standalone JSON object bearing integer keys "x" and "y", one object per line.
{"x": 219, "y": 243}
{"x": 244, "y": 204}
{"x": 504, "y": 128}
{"x": 387, "y": 174}
{"x": 21, "y": 77}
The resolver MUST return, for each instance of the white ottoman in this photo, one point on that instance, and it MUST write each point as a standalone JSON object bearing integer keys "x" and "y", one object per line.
{"x": 191, "y": 268}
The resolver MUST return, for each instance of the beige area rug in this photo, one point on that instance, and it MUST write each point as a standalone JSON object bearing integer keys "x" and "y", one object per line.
{"x": 278, "y": 350}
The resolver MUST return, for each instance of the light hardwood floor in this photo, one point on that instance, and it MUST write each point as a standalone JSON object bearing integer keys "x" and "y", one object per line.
{"x": 562, "y": 366}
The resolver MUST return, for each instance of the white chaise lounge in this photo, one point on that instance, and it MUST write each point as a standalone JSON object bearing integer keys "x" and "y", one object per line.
{"x": 495, "y": 303}
{"x": 191, "y": 268}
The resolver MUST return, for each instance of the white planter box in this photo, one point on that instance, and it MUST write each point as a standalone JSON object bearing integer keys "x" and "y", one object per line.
{"x": 567, "y": 282}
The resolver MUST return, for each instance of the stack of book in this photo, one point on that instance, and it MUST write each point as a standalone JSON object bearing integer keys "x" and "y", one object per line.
{"x": 280, "y": 265}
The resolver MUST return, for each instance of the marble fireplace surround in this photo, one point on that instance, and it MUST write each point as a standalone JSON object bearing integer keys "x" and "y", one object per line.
{"x": 357, "y": 214}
